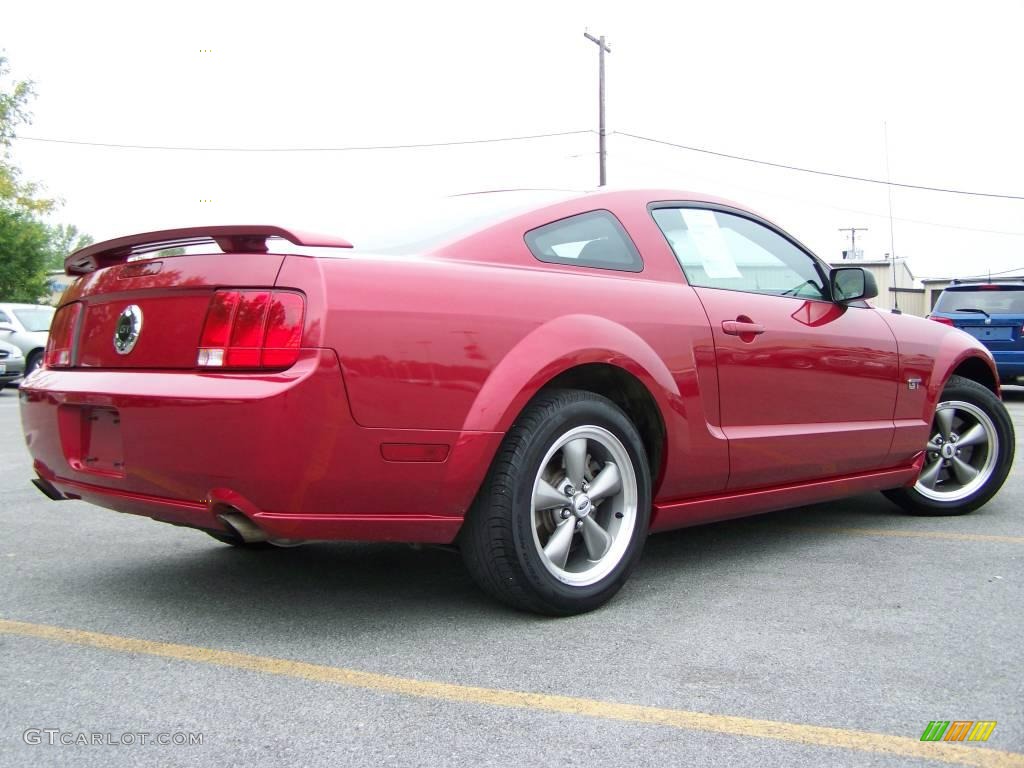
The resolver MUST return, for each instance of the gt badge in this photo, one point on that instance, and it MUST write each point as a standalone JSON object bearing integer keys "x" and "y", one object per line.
{"x": 129, "y": 326}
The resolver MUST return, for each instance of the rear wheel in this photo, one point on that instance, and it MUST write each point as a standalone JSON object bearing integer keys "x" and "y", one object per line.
{"x": 967, "y": 456}
{"x": 563, "y": 514}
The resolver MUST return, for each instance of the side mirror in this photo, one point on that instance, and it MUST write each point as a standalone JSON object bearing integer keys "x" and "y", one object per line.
{"x": 5, "y": 328}
{"x": 852, "y": 284}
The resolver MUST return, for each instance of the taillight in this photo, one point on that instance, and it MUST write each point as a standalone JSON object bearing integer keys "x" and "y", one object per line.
{"x": 62, "y": 336}
{"x": 251, "y": 329}
{"x": 284, "y": 330}
{"x": 943, "y": 320}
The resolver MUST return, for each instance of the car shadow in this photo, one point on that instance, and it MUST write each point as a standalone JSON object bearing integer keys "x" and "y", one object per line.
{"x": 369, "y": 588}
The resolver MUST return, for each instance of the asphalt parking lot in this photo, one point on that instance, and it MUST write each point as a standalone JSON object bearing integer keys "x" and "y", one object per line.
{"x": 822, "y": 636}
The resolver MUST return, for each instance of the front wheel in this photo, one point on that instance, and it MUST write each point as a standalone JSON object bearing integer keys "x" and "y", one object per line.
{"x": 967, "y": 456}
{"x": 563, "y": 514}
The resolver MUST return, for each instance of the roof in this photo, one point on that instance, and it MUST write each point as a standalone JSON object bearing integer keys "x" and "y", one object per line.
{"x": 242, "y": 238}
{"x": 975, "y": 280}
{"x": 867, "y": 262}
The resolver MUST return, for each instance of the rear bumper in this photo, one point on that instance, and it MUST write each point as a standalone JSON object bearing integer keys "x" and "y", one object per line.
{"x": 1009, "y": 362}
{"x": 282, "y": 448}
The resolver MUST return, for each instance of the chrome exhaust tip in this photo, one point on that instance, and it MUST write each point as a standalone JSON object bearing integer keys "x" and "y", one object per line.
{"x": 243, "y": 527}
{"x": 47, "y": 489}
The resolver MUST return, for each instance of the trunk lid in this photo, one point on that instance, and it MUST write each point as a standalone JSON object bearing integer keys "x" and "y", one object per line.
{"x": 149, "y": 313}
{"x": 172, "y": 296}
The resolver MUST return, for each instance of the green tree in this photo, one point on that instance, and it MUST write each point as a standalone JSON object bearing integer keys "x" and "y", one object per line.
{"x": 14, "y": 98}
{"x": 28, "y": 245}
{"x": 65, "y": 239}
{"x": 24, "y": 248}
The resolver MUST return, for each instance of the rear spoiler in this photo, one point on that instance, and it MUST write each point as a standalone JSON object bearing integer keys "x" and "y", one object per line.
{"x": 236, "y": 238}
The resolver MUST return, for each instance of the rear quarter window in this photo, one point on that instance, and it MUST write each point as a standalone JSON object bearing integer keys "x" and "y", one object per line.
{"x": 595, "y": 239}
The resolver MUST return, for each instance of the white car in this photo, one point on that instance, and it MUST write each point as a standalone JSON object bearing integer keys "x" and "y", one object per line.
{"x": 12, "y": 364}
{"x": 27, "y": 327}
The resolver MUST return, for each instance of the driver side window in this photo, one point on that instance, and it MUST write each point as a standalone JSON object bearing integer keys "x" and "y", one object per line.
{"x": 722, "y": 250}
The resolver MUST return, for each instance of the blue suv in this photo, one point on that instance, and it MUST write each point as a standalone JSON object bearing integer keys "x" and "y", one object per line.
{"x": 994, "y": 314}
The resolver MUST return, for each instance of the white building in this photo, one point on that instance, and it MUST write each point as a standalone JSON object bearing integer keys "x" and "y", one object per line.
{"x": 896, "y": 284}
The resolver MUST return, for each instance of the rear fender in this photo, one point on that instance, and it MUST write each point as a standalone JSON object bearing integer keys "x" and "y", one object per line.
{"x": 557, "y": 346}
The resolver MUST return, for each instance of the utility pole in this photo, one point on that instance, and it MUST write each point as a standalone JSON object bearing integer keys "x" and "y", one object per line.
{"x": 602, "y": 49}
{"x": 853, "y": 237}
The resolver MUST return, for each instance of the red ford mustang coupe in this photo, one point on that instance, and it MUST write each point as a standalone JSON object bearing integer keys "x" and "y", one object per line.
{"x": 541, "y": 381}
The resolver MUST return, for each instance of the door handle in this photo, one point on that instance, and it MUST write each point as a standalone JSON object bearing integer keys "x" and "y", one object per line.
{"x": 742, "y": 327}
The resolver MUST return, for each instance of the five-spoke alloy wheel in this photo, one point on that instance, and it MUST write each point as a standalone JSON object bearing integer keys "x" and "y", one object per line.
{"x": 584, "y": 505}
{"x": 961, "y": 455}
{"x": 563, "y": 515}
{"x": 967, "y": 456}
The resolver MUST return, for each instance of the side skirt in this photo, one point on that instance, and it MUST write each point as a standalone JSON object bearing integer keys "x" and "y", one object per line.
{"x": 669, "y": 515}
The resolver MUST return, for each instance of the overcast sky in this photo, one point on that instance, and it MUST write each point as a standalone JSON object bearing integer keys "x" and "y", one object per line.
{"x": 807, "y": 84}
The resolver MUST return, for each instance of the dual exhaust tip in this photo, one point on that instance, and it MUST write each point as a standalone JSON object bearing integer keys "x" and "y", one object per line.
{"x": 236, "y": 523}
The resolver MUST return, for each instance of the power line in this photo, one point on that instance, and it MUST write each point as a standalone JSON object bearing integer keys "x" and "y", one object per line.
{"x": 818, "y": 172}
{"x": 875, "y": 214}
{"x": 989, "y": 274}
{"x": 365, "y": 148}
{"x": 936, "y": 223}
{"x": 467, "y": 142}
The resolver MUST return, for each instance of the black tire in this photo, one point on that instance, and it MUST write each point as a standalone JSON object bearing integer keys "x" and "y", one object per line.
{"x": 959, "y": 389}
{"x": 499, "y": 542}
{"x": 35, "y": 359}
{"x": 237, "y": 541}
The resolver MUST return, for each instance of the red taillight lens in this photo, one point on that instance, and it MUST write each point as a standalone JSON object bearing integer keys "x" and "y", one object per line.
{"x": 62, "y": 336}
{"x": 943, "y": 320}
{"x": 219, "y": 316}
{"x": 247, "y": 330}
{"x": 284, "y": 330}
{"x": 252, "y": 329}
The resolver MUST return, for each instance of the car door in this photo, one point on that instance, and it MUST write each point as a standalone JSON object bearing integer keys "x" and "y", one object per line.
{"x": 807, "y": 386}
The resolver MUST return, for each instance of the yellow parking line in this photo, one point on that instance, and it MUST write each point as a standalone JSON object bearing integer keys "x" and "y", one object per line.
{"x": 814, "y": 735}
{"x": 951, "y": 536}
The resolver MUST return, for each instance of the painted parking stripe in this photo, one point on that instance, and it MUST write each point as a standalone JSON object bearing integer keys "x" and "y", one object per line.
{"x": 950, "y": 536}
{"x": 813, "y": 735}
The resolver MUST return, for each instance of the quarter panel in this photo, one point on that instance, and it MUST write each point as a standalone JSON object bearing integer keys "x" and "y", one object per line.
{"x": 438, "y": 344}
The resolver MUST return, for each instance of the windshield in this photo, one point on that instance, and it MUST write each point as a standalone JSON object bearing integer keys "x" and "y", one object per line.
{"x": 998, "y": 301}
{"x": 35, "y": 319}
